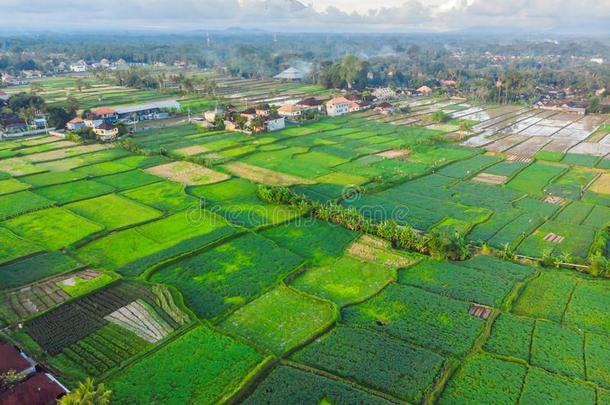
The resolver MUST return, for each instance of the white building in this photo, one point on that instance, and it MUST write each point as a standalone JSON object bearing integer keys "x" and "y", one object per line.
{"x": 337, "y": 106}
{"x": 290, "y": 74}
{"x": 78, "y": 67}
{"x": 290, "y": 111}
{"x": 274, "y": 123}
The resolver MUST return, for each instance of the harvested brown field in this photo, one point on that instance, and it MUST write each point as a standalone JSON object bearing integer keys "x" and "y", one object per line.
{"x": 394, "y": 153}
{"x": 602, "y": 184}
{"x": 264, "y": 176}
{"x": 369, "y": 249}
{"x": 487, "y": 178}
{"x": 188, "y": 173}
{"x": 192, "y": 150}
{"x": 64, "y": 153}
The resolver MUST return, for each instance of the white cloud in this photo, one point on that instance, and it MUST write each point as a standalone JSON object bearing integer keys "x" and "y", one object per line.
{"x": 327, "y": 15}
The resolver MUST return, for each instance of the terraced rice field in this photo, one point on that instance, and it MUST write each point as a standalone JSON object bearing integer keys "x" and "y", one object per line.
{"x": 158, "y": 268}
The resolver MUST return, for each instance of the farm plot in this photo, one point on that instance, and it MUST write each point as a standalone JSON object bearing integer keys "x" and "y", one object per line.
{"x": 345, "y": 281}
{"x": 262, "y": 175}
{"x": 542, "y": 387}
{"x": 20, "y": 203}
{"x": 78, "y": 336}
{"x": 230, "y": 275}
{"x": 74, "y": 162}
{"x": 35, "y": 268}
{"x": 291, "y": 385}
{"x": 575, "y": 213}
{"x": 546, "y": 296}
{"x": 511, "y": 336}
{"x": 132, "y": 251}
{"x": 469, "y": 167}
{"x": 281, "y": 320}
{"x": 53, "y": 228}
{"x": 187, "y": 173}
{"x": 113, "y": 211}
{"x": 572, "y": 183}
{"x": 201, "y": 366}
{"x": 28, "y": 301}
{"x": 483, "y": 379}
{"x": 165, "y": 196}
{"x": 127, "y": 180}
{"x": 420, "y": 317}
{"x": 459, "y": 282}
{"x": 9, "y": 186}
{"x": 374, "y": 360}
{"x": 601, "y": 184}
{"x": 558, "y": 239}
{"x": 533, "y": 179}
{"x": 312, "y": 239}
{"x": 52, "y": 178}
{"x": 13, "y": 247}
{"x": 64, "y": 153}
{"x": 588, "y": 308}
{"x": 558, "y": 350}
{"x": 75, "y": 191}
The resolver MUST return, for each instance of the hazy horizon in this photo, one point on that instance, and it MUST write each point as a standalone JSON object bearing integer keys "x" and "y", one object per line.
{"x": 392, "y": 16}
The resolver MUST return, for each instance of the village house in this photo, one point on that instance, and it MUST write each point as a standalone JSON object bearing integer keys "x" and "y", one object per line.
{"x": 385, "y": 108}
{"x": 106, "y": 131}
{"x": 212, "y": 115}
{"x": 359, "y": 105}
{"x": 104, "y": 113}
{"x": 75, "y": 124}
{"x": 337, "y": 106}
{"x": 424, "y": 90}
{"x": 311, "y": 103}
{"x": 15, "y": 360}
{"x": 78, "y": 67}
{"x": 568, "y": 106}
{"x": 274, "y": 122}
{"x": 290, "y": 111}
{"x": 12, "y": 80}
{"x": 448, "y": 83}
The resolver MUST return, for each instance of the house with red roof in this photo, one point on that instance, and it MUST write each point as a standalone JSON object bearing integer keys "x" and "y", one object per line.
{"x": 38, "y": 389}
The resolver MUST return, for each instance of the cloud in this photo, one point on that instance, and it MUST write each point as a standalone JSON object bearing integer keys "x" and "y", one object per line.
{"x": 295, "y": 15}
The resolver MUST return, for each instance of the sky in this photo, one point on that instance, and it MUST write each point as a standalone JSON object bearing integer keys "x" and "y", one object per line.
{"x": 306, "y": 15}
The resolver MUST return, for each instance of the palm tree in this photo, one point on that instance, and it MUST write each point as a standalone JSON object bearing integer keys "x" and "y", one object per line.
{"x": 88, "y": 393}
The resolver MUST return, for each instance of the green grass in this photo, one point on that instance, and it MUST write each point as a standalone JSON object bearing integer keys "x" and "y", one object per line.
{"x": 165, "y": 196}
{"x": 133, "y": 250}
{"x": 420, "y": 317}
{"x": 35, "y": 268}
{"x": 483, "y": 379}
{"x": 288, "y": 385}
{"x": 20, "y": 203}
{"x": 546, "y": 296}
{"x": 374, "y": 360}
{"x": 230, "y": 275}
{"x": 12, "y": 185}
{"x": 12, "y": 247}
{"x": 113, "y": 211}
{"x": 53, "y": 228}
{"x": 280, "y": 320}
{"x": 511, "y": 336}
{"x": 312, "y": 239}
{"x": 588, "y": 308}
{"x": 345, "y": 281}
{"x": 200, "y": 367}
{"x": 81, "y": 286}
{"x": 78, "y": 190}
{"x": 534, "y": 178}
{"x": 541, "y": 387}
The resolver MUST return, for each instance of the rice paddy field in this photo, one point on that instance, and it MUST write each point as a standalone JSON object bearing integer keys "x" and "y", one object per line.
{"x": 164, "y": 275}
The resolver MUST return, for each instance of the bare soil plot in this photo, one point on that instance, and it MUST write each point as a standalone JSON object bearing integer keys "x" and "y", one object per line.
{"x": 595, "y": 149}
{"x": 378, "y": 251}
{"x": 394, "y": 153}
{"x": 506, "y": 143}
{"x": 265, "y": 176}
{"x": 602, "y": 184}
{"x": 529, "y": 147}
{"x": 192, "y": 150}
{"x": 560, "y": 145}
{"x": 515, "y": 158}
{"x": 553, "y": 238}
{"x": 555, "y": 200}
{"x": 487, "y": 178}
{"x": 188, "y": 173}
{"x": 479, "y": 311}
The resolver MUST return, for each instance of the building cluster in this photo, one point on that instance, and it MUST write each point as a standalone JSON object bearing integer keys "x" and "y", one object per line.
{"x": 81, "y": 66}
{"x": 33, "y": 384}
{"x": 261, "y": 118}
{"x": 103, "y": 121}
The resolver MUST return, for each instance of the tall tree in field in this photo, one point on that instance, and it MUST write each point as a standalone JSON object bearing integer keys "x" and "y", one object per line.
{"x": 88, "y": 393}
{"x": 351, "y": 66}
